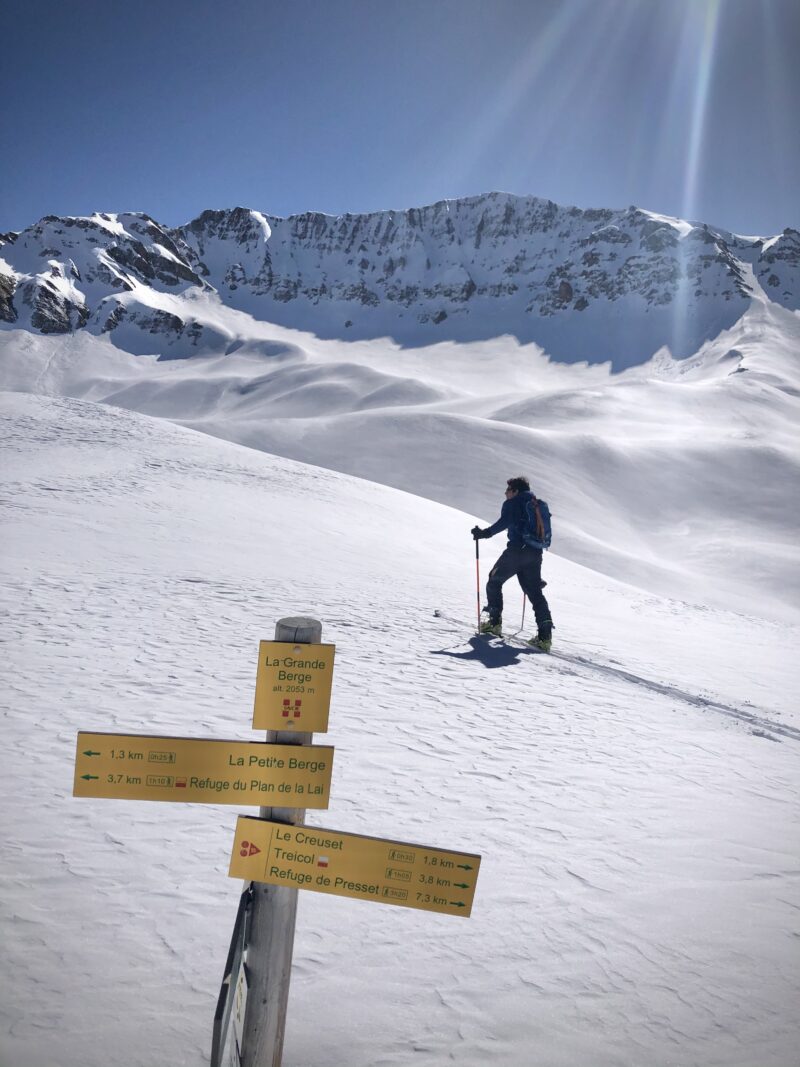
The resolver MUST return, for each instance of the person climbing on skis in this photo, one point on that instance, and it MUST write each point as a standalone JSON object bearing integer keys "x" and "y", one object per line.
{"x": 527, "y": 521}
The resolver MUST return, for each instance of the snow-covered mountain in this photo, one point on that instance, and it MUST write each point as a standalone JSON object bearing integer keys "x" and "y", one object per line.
{"x": 634, "y": 795}
{"x": 102, "y": 308}
{"x": 590, "y": 285}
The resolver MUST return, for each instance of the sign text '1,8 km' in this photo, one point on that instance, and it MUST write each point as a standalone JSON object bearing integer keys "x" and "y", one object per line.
{"x": 136, "y": 767}
{"x": 349, "y": 865}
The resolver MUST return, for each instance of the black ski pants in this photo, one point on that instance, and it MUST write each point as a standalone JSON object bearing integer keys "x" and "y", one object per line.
{"x": 526, "y": 563}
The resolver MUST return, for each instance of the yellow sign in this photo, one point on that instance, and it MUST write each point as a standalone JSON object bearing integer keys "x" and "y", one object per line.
{"x": 134, "y": 767}
{"x": 348, "y": 865}
{"x": 293, "y": 687}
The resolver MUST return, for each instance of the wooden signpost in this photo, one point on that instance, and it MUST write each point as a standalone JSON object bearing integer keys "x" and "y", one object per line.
{"x": 276, "y": 853}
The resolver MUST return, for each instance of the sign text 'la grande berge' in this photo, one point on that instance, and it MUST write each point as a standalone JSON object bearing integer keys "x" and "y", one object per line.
{"x": 293, "y": 687}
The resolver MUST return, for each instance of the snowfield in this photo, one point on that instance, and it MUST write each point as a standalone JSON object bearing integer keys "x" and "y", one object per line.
{"x": 672, "y": 475}
{"x": 183, "y": 466}
{"x": 634, "y": 797}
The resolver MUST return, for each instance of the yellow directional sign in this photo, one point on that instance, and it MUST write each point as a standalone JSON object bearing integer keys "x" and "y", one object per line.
{"x": 348, "y": 865}
{"x": 293, "y": 687}
{"x": 136, "y": 767}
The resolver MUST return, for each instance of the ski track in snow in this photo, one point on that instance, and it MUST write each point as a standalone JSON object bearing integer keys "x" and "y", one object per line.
{"x": 640, "y": 885}
{"x": 762, "y": 726}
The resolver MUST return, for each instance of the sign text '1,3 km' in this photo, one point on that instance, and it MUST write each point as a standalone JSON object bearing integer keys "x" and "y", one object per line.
{"x": 136, "y": 767}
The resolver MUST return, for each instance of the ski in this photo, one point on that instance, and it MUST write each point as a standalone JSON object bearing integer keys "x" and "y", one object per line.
{"x": 516, "y": 639}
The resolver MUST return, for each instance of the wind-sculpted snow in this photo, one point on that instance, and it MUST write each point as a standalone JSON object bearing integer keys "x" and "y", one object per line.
{"x": 595, "y": 285}
{"x": 668, "y": 475}
{"x": 634, "y": 799}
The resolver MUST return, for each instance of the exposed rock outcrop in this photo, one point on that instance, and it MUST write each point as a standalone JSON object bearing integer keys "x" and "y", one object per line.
{"x": 583, "y": 283}
{"x": 8, "y": 283}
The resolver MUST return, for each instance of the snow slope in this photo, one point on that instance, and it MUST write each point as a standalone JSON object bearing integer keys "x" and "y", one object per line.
{"x": 675, "y": 476}
{"x": 635, "y": 799}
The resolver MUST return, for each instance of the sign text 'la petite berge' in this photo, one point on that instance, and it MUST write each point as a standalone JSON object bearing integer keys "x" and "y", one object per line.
{"x": 136, "y": 767}
{"x": 293, "y": 687}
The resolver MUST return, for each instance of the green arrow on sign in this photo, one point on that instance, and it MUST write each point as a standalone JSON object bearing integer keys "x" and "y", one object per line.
{"x": 89, "y": 752}
{"x": 464, "y": 866}
{"x": 461, "y": 885}
{"x": 458, "y": 904}
{"x": 89, "y": 777}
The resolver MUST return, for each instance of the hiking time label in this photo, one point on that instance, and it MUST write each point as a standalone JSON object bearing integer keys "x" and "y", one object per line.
{"x": 136, "y": 767}
{"x": 349, "y": 865}
{"x": 293, "y": 687}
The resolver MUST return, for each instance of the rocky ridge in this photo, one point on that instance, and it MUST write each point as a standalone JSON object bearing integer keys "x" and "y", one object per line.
{"x": 586, "y": 284}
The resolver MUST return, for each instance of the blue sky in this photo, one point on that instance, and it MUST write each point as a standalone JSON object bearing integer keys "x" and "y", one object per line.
{"x": 687, "y": 107}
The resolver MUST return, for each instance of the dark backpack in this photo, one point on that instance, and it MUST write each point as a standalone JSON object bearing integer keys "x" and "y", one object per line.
{"x": 537, "y": 532}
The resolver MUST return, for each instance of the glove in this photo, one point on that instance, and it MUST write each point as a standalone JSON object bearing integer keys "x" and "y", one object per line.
{"x": 477, "y": 532}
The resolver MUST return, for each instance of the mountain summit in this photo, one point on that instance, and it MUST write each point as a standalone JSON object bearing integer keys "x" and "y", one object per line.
{"x": 595, "y": 285}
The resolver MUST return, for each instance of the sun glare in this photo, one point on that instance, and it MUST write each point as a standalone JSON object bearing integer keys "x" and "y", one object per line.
{"x": 704, "y": 65}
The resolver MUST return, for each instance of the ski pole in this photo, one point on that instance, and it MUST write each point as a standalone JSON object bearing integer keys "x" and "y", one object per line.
{"x": 524, "y": 602}
{"x": 478, "y": 578}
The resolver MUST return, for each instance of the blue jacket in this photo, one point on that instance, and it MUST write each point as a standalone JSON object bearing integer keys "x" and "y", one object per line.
{"x": 512, "y": 518}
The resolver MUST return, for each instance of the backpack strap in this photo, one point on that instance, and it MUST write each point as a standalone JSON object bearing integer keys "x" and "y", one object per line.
{"x": 539, "y": 520}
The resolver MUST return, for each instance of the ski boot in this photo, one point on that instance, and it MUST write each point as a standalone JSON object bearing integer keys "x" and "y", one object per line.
{"x": 492, "y": 626}
{"x": 543, "y": 640}
{"x": 544, "y": 644}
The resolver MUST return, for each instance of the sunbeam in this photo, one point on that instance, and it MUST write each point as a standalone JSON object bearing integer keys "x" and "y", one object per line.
{"x": 538, "y": 62}
{"x": 684, "y": 132}
{"x": 704, "y": 64}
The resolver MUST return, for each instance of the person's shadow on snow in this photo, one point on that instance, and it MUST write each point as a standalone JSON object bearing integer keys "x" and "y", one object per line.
{"x": 487, "y": 653}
